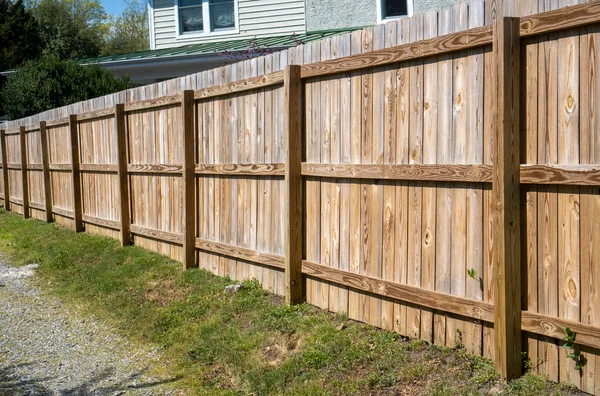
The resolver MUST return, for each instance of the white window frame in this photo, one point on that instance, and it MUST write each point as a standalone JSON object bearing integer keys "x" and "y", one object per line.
{"x": 381, "y": 19}
{"x": 206, "y": 23}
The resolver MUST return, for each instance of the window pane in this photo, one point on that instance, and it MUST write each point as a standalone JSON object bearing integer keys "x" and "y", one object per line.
{"x": 221, "y": 14}
{"x": 394, "y": 8}
{"x": 185, "y": 3}
{"x": 190, "y": 19}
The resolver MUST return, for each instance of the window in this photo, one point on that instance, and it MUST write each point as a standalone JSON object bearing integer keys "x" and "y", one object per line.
{"x": 394, "y": 8}
{"x": 205, "y": 16}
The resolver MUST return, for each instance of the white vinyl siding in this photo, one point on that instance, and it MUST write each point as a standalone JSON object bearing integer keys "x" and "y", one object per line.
{"x": 257, "y": 18}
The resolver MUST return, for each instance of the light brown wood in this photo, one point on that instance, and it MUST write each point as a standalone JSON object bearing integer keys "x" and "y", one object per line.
{"x": 421, "y": 172}
{"x": 90, "y": 115}
{"x": 267, "y": 259}
{"x": 420, "y": 49}
{"x": 62, "y": 212}
{"x": 560, "y": 19}
{"x": 157, "y": 234}
{"x": 46, "y": 170}
{"x": 115, "y": 225}
{"x": 61, "y": 167}
{"x": 57, "y": 122}
{"x": 242, "y": 85}
{"x": 505, "y": 191}
{"x": 241, "y": 169}
{"x": 98, "y": 168}
{"x": 24, "y": 179}
{"x": 14, "y": 167}
{"x": 554, "y": 327}
{"x": 35, "y": 167}
{"x": 412, "y": 294}
{"x": 122, "y": 159}
{"x": 293, "y": 185}
{"x": 5, "y": 180}
{"x": 189, "y": 190}
{"x": 573, "y": 175}
{"x": 157, "y": 169}
{"x": 36, "y": 205}
{"x": 75, "y": 175}
{"x": 162, "y": 101}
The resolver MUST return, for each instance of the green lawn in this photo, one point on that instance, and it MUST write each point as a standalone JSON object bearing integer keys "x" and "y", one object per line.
{"x": 246, "y": 342}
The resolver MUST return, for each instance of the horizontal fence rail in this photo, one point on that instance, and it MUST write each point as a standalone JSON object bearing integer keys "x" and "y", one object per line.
{"x": 426, "y": 176}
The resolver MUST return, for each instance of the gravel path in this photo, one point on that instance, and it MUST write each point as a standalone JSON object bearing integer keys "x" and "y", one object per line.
{"x": 49, "y": 349}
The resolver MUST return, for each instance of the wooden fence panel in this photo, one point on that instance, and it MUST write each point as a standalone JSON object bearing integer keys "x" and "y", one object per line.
{"x": 396, "y": 176}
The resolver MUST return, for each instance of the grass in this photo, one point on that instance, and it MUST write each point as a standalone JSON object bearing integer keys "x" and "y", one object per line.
{"x": 239, "y": 343}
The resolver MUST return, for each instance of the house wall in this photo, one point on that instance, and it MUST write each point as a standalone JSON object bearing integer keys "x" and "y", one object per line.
{"x": 257, "y": 18}
{"x": 337, "y": 14}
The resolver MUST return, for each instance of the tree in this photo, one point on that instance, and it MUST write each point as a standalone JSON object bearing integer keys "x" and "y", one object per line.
{"x": 72, "y": 29}
{"x": 129, "y": 32}
{"x": 50, "y": 83}
{"x": 19, "y": 37}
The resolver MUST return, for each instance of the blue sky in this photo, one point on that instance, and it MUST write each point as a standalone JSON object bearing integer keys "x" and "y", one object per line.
{"x": 113, "y": 7}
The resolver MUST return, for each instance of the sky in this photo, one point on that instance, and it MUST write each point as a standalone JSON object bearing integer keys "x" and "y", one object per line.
{"x": 113, "y": 7}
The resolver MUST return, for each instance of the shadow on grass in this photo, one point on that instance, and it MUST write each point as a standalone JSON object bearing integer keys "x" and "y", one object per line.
{"x": 13, "y": 384}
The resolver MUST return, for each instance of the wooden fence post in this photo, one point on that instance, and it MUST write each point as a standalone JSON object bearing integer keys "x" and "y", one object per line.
{"x": 5, "y": 170}
{"x": 505, "y": 191}
{"x": 77, "y": 207}
{"x": 189, "y": 191}
{"x": 46, "y": 170}
{"x": 294, "y": 292}
{"x": 24, "y": 179}
{"x": 121, "y": 134}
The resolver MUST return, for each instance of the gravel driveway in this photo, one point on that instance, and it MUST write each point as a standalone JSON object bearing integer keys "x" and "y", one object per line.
{"x": 47, "y": 348}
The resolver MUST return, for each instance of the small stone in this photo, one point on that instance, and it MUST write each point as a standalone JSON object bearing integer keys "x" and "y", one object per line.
{"x": 233, "y": 288}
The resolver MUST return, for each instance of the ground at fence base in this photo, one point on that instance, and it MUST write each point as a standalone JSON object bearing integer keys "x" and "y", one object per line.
{"x": 246, "y": 341}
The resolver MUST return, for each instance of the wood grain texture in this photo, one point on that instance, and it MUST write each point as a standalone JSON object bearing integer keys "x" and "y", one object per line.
{"x": 241, "y": 169}
{"x": 122, "y": 159}
{"x": 115, "y": 225}
{"x": 167, "y": 169}
{"x": 5, "y": 179}
{"x": 61, "y": 167}
{"x": 420, "y": 49}
{"x": 46, "y": 170}
{"x": 241, "y": 85}
{"x": 75, "y": 175}
{"x": 157, "y": 234}
{"x": 294, "y": 292}
{"x": 415, "y": 295}
{"x": 552, "y": 326}
{"x": 189, "y": 190}
{"x": 163, "y": 101}
{"x": 90, "y": 115}
{"x": 98, "y": 168}
{"x": 241, "y": 253}
{"x": 505, "y": 191}
{"x": 24, "y": 179}
{"x": 560, "y": 19}
{"x": 572, "y": 175}
{"x": 420, "y": 172}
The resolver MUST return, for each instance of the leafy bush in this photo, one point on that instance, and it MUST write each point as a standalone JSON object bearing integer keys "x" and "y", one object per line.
{"x": 50, "y": 83}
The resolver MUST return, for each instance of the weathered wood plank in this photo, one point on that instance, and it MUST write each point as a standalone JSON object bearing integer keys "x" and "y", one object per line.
{"x": 46, "y": 170}
{"x": 90, "y": 115}
{"x": 426, "y": 172}
{"x": 99, "y": 168}
{"x": 167, "y": 169}
{"x": 163, "y": 236}
{"x": 293, "y": 185}
{"x": 76, "y": 178}
{"x": 560, "y": 19}
{"x": 5, "y": 180}
{"x": 505, "y": 191}
{"x": 420, "y": 49}
{"x": 61, "y": 167}
{"x": 241, "y": 253}
{"x": 241, "y": 169}
{"x": 246, "y": 84}
{"x": 412, "y": 294}
{"x": 24, "y": 179}
{"x": 115, "y": 225}
{"x": 163, "y": 101}
{"x": 189, "y": 190}
{"x": 552, "y": 326}
{"x": 124, "y": 204}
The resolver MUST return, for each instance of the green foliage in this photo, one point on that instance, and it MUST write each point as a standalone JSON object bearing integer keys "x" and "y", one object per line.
{"x": 51, "y": 83}
{"x": 19, "y": 37}
{"x": 129, "y": 31}
{"x": 575, "y": 352}
{"x": 72, "y": 29}
{"x": 471, "y": 273}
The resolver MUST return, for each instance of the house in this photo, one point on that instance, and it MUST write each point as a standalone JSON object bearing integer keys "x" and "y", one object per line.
{"x": 189, "y": 36}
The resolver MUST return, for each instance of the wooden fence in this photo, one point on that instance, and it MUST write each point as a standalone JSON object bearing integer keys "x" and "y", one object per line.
{"x": 437, "y": 176}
